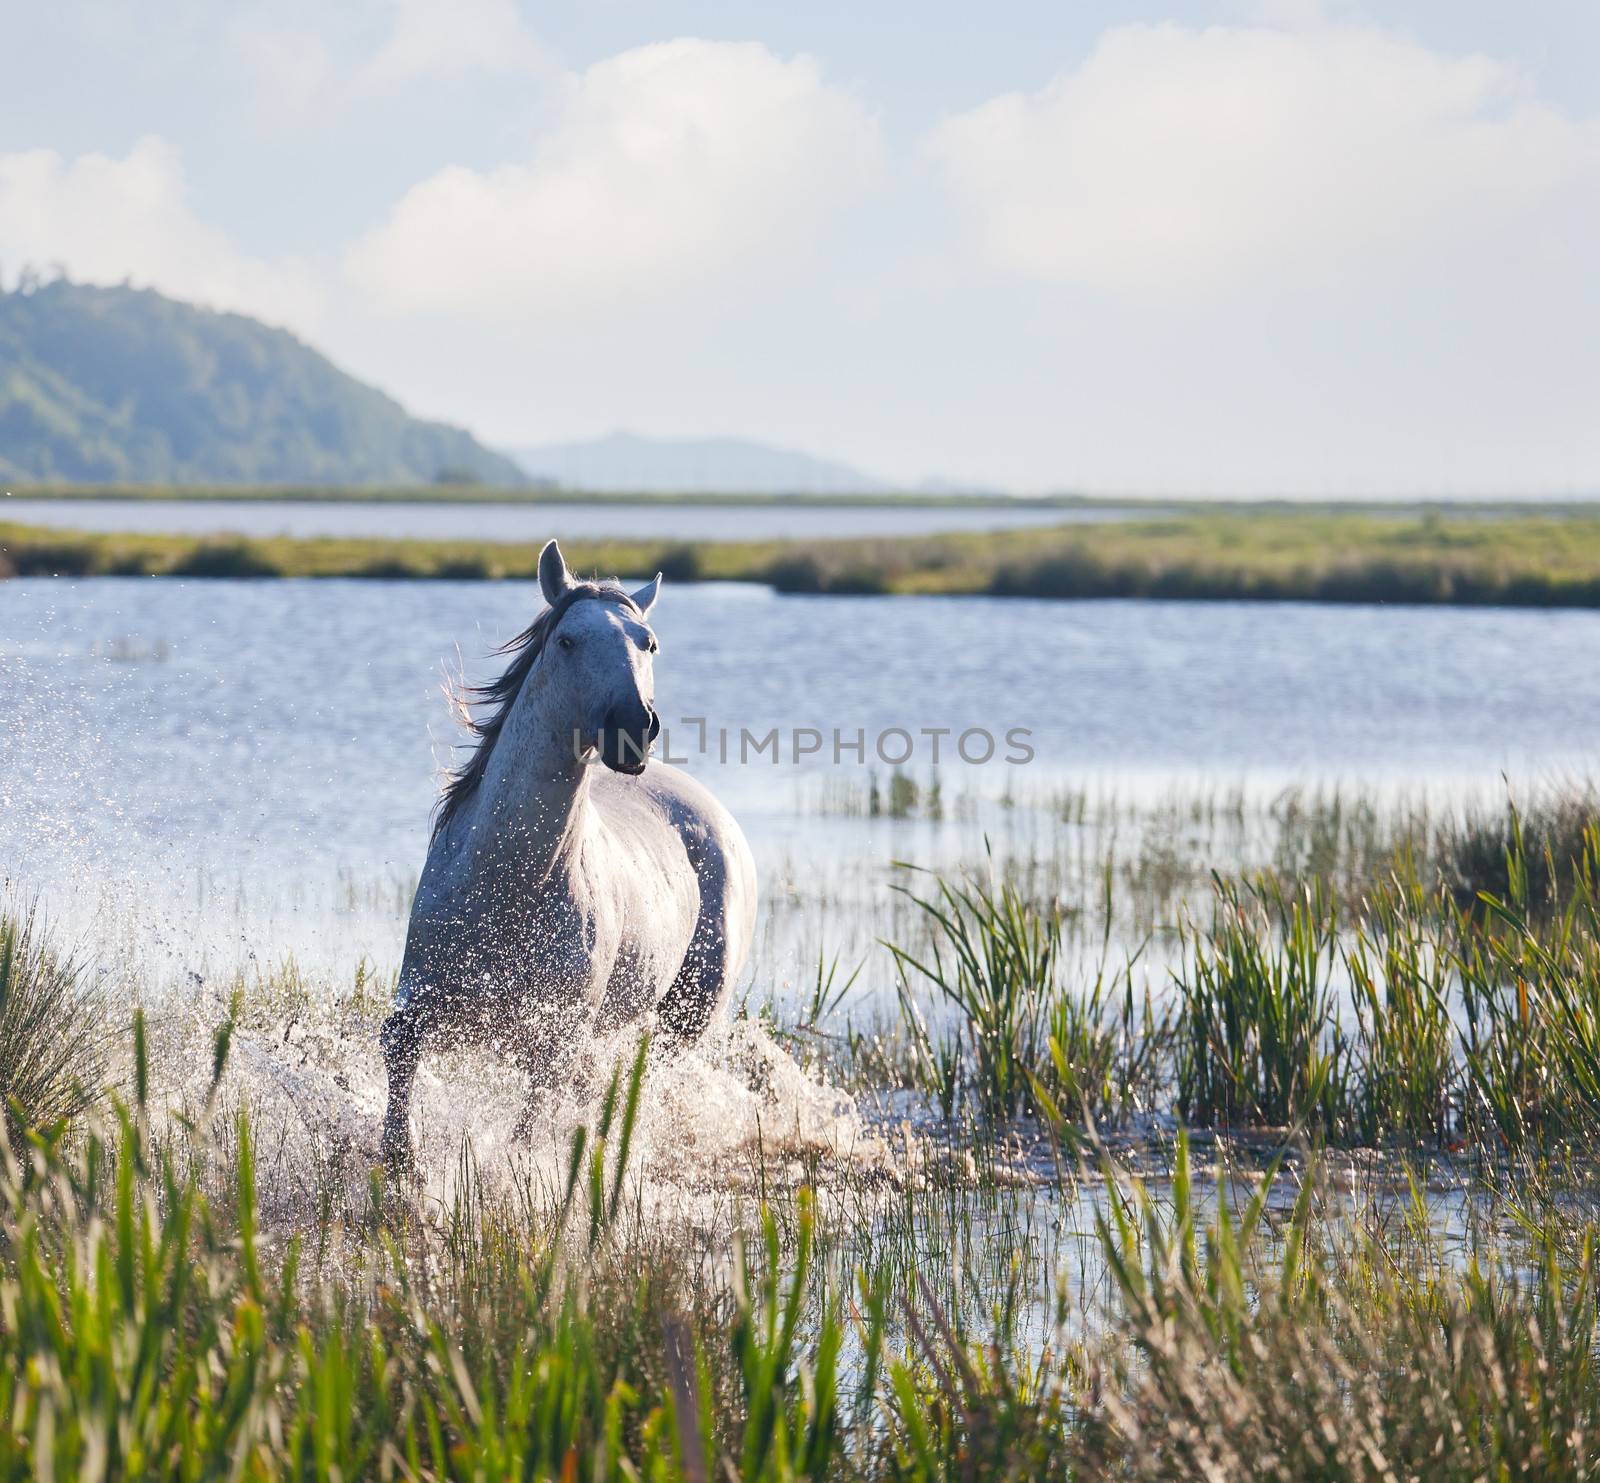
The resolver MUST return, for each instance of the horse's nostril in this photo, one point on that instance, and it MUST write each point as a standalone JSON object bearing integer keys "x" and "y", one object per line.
{"x": 655, "y": 724}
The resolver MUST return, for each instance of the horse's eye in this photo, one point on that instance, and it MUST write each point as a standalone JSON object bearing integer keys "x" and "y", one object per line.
{"x": 564, "y": 641}
{"x": 652, "y": 646}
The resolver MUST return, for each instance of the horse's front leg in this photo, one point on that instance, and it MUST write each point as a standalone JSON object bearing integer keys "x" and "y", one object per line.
{"x": 402, "y": 1037}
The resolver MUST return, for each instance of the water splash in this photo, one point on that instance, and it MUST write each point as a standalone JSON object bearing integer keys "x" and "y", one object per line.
{"x": 733, "y": 1113}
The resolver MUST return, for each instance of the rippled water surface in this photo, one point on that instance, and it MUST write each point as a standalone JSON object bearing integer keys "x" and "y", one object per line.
{"x": 254, "y": 763}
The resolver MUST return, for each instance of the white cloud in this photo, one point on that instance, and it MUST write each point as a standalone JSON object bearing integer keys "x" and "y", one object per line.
{"x": 106, "y": 220}
{"x": 302, "y": 56}
{"x": 1293, "y": 15}
{"x": 1176, "y": 161}
{"x": 292, "y": 69}
{"x": 451, "y": 38}
{"x": 666, "y": 167}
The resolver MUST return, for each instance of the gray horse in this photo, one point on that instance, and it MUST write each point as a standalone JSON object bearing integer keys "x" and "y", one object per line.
{"x": 560, "y": 898}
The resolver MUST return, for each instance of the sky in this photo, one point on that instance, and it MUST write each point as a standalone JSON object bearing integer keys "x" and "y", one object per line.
{"x": 1240, "y": 247}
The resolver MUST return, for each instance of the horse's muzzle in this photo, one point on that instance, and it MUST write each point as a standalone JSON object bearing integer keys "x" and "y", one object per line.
{"x": 624, "y": 741}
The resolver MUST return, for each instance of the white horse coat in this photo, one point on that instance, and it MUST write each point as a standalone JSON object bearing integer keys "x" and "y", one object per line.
{"x": 560, "y": 896}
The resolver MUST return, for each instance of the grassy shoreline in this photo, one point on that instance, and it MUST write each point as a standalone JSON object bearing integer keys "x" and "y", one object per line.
{"x": 1257, "y": 555}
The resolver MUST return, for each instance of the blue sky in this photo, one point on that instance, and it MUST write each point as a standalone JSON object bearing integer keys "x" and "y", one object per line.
{"x": 1234, "y": 247}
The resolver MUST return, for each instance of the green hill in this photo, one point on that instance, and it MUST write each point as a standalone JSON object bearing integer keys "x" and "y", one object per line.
{"x": 123, "y": 385}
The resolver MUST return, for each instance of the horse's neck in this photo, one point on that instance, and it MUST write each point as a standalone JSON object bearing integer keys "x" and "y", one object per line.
{"x": 527, "y": 817}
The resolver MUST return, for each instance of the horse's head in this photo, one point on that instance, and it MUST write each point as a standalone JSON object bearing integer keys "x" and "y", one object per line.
{"x": 598, "y": 679}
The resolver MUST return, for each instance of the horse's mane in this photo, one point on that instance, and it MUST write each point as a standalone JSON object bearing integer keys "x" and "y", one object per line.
{"x": 501, "y": 694}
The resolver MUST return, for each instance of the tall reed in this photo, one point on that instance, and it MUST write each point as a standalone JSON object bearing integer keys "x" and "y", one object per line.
{"x": 1258, "y": 1038}
{"x": 1013, "y": 1024}
{"x": 1401, "y": 1016}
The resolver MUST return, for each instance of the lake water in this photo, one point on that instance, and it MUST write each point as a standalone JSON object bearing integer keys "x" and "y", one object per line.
{"x": 248, "y": 768}
{"x": 535, "y": 523}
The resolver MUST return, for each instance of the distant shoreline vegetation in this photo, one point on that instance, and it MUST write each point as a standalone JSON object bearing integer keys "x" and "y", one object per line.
{"x": 1260, "y": 553}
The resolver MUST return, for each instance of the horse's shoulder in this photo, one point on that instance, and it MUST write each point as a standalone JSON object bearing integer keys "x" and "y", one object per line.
{"x": 692, "y": 808}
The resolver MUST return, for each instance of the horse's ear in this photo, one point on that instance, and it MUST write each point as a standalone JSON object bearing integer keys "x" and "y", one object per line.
{"x": 554, "y": 579}
{"x": 645, "y": 598}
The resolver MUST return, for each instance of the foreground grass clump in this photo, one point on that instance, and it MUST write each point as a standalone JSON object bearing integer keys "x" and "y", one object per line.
{"x": 51, "y": 1027}
{"x": 1351, "y": 1354}
{"x": 1242, "y": 553}
{"x": 148, "y": 1329}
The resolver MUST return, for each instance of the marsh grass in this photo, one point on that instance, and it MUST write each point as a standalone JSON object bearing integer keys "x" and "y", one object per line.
{"x": 1335, "y": 1352}
{"x": 1531, "y": 992}
{"x": 1396, "y": 1015}
{"x": 151, "y": 1324}
{"x": 1259, "y": 1039}
{"x": 1546, "y": 837}
{"x": 152, "y": 1330}
{"x": 1406, "y": 1083}
{"x": 1054, "y": 842}
{"x": 52, "y": 1027}
{"x": 1016, "y": 1034}
{"x": 993, "y": 960}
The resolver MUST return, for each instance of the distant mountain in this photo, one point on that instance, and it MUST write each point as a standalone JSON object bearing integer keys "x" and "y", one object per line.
{"x": 628, "y": 462}
{"x": 123, "y": 385}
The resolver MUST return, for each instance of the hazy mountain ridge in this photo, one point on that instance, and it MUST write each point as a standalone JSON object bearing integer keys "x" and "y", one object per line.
{"x": 126, "y": 385}
{"x": 631, "y": 462}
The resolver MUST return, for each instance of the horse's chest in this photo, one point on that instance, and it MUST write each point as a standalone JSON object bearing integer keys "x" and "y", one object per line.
{"x": 567, "y": 943}
{"x": 573, "y": 941}
{"x": 601, "y": 933}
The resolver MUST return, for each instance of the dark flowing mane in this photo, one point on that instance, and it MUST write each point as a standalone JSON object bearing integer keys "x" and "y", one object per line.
{"x": 498, "y": 696}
